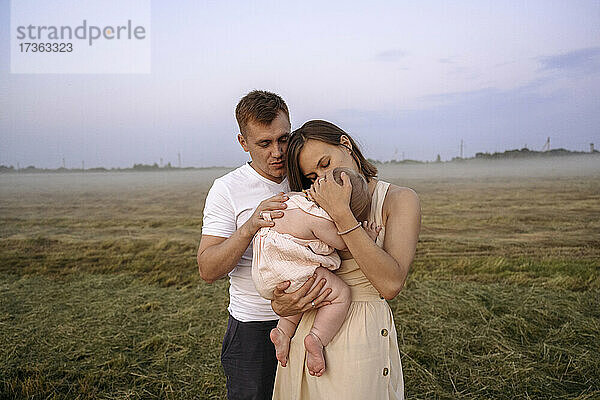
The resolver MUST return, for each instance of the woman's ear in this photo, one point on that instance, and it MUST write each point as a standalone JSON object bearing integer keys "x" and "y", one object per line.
{"x": 345, "y": 141}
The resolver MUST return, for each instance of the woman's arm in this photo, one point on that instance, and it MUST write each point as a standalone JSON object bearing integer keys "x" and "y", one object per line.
{"x": 387, "y": 267}
{"x": 326, "y": 231}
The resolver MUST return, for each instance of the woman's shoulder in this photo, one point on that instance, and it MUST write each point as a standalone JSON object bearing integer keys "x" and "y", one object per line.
{"x": 401, "y": 191}
{"x": 401, "y": 198}
{"x": 398, "y": 193}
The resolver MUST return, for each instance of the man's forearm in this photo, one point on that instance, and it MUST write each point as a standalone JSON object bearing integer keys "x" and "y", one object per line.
{"x": 216, "y": 261}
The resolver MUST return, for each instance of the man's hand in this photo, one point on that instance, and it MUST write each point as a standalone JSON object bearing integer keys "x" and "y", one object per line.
{"x": 217, "y": 256}
{"x": 288, "y": 304}
{"x": 271, "y": 205}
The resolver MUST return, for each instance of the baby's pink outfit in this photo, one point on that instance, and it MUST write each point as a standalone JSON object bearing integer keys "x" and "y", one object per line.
{"x": 279, "y": 257}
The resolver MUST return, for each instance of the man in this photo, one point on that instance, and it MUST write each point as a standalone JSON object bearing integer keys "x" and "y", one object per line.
{"x": 232, "y": 215}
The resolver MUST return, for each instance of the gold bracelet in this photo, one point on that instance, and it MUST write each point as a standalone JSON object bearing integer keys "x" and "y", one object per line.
{"x": 349, "y": 230}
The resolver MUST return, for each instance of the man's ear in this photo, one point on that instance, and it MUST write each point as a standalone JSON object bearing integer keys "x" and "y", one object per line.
{"x": 243, "y": 142}
{"x": 345, "y": 140}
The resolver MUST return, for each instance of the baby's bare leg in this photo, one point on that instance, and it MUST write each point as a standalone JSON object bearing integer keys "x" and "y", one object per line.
{"x": 328, "y": 321}
{"x": 288, "y": 324}
{"x": 281, "y": 336}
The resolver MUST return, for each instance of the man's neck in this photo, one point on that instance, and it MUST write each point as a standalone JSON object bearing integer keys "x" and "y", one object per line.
{"x": 261, "y": 173}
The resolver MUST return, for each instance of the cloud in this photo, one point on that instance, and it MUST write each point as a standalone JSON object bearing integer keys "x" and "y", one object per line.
{"x": 453, "y": 97}
{"x": 391, "y": 55}
{"x": 446, "y": 60}
{"x": 583, "y": 60}
{"x": 488, "y": 119}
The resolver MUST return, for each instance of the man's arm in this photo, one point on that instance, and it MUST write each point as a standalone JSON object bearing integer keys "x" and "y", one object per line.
{"x": 217, "y": 256}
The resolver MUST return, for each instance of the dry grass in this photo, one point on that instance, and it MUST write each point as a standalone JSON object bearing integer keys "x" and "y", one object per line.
{"x": 100, "y": 295}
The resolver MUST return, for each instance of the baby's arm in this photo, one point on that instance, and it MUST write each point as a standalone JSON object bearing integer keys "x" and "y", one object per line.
{"x": 326, "y": 231}
{"x": 372, "y": 229}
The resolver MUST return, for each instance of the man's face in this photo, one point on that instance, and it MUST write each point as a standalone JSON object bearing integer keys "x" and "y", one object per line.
{"x": 267, "y": 146}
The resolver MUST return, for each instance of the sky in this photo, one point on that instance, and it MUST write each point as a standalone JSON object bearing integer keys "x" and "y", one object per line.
{"x": 406, "y": 79}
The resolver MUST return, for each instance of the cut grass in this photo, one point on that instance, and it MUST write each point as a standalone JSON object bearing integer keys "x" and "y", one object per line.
{"x": 100, "y": 295}
{"x": 109, "y": 336}
{"x": 466, "y": 340}
{"x": 114, "y": 336}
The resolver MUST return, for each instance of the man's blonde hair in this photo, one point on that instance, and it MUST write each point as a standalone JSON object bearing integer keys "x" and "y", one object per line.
{"x": 259, "y": 107}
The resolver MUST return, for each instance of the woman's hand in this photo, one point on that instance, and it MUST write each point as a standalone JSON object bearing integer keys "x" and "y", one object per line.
{"x": 330, "y": 196}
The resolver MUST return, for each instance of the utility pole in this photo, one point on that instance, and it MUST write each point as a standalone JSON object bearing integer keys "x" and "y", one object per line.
{"x": 461, "y": 148}
{"x": 547, "y": 145}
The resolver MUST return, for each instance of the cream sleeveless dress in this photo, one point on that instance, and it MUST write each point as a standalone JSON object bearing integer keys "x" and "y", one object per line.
{"x": 363, "y": 359}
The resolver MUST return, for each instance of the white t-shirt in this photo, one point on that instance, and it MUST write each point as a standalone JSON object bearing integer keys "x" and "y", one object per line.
{"x": 229, "y": 204}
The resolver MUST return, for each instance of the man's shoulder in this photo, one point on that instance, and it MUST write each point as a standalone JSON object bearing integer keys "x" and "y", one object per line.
{"x": 221, "y": 198}
{"x": 232, "y": 178}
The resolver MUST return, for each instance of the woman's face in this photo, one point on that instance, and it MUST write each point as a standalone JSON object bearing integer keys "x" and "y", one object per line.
{"x": 317, "y": 158}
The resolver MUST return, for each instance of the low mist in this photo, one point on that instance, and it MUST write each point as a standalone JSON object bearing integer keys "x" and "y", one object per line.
{"x": 560, "y": 167}
{"x": 504, "y": 168}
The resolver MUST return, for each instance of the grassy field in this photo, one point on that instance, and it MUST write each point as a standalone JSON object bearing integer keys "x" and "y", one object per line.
{"x": 100, "y": 295}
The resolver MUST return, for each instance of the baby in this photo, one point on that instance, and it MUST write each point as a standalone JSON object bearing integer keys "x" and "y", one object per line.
{"x": 302, "y": 240}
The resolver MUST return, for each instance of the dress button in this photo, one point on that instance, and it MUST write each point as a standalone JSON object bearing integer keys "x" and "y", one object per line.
{"x": 384, "y": 332}
{"x": 385, "y": 371}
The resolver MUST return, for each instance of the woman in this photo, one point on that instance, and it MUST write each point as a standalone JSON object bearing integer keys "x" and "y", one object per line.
{"x": 363, "y": 360}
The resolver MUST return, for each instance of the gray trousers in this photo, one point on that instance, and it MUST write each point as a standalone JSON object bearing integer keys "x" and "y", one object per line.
{"x": 248, "y": 360}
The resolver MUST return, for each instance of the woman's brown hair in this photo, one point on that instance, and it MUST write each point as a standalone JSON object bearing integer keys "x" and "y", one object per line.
{"x": 325, "y": 132}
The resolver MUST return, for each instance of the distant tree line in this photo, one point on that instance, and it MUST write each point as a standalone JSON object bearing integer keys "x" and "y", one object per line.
{"x": 406, "y": 161}
{"x": 136, "y": 167}
{"x": 526, "y": 153}
{"x": 508, "y": 154}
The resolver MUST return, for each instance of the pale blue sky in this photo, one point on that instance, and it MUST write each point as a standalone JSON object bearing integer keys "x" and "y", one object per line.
{"x": 412, "y": 77}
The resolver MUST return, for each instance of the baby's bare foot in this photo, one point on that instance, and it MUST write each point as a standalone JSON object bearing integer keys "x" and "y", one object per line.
{"x": 282, "y": 345}
{"x": 315, "y": 361}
